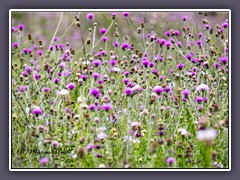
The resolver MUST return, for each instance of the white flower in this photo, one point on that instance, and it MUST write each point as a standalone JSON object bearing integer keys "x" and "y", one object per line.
{"x": 188, "y": 73}
{"x": 206, "y": 135}
{"x": 63, "y": 92}
{"x": 129, "y": 138}
{"x": 101, "y": 166}
{"x": 136, "y": 88}
{"x": 27, "y": 110}
{"x": 83, "y": 106}
{"x": 116, "y": 69}
{"x": 101, "y": 136}
{"x": 171, "y": 84}
{"x": 136, "y": 124}
{"x": 134, "y": 141}
{"x": 81, "y": 99}
{"x": 67, "y": 51}
{"x": 101, "y": 129}
{"x": 86, "y": 62}
{"x": 183, "y": 131}
{"x": 71, "y": 132}
{"x": 202, "y": 87}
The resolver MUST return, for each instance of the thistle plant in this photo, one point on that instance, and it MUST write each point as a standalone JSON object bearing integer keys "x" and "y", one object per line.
{"x": 120, "y": 90}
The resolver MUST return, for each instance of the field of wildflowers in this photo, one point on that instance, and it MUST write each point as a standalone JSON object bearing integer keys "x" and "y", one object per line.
{"x": 119, "y": 90}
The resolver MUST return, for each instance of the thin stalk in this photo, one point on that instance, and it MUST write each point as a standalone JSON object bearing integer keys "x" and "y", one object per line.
{"x": 59, "y": 22}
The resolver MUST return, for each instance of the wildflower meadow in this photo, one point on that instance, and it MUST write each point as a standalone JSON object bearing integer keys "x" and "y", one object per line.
{"x": 119, "y": 89}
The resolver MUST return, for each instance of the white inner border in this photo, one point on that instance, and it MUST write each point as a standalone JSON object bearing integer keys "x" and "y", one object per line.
{"x": 113, "y": 10}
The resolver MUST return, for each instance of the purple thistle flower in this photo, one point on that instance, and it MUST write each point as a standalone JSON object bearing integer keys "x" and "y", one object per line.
{"x": 15, "y": 45}
{"x": 95, "y": 75}
{"x": 43, "y": 161}
{"x": 29, "y": 51}
{"x": 103, "y": 53}
{"x": 90, "y": 147}
{"x": 39, "y": 52}
{"x": 103, "y": 30}
{"x": 151, "y": 64}
{"x": 171, "y": 161}
{"x": 116, "y": 44}
{"x": 159, "y": 90}
{"x": 126, "y": 73}
{"x": 223, "y": 60}
{"x": 71, "y": 86}
{"x": 37, "y": 111}
{"x": 145, "y": 58}
{"x": 167, "y": 89}
{"x": 126, "y": 81}
{"x": 35, "y": 47}
{"x": 24, "y": 51}
{"x": 113, "y": 62}
{"x": 125, "y": 45}
{"x": 28, "y": 69}
{"x": 97, "y": 63}
{"x": 161, "y": 78}
{"x": 180, "y": 66}
{"x": 125, "y": 14}
{"x": 128, "y": 91}
{"x": 95, "y": 92}
{"x": 199, "y": 43}
{"x": 167, "y": 44}
{"x": 151, "y": 38}
{"x": 51, "y": 48}
{"x": 185, "y": 93}
{"x": 84, "y": 76}
{"x": 90, "y": 16}
{"x": 96, "y": 120}
{"x": 24, "y": 73}
{"x": 60, "y": 46}
{"x": 46, "y": 89}
{"x": 200, "y": 35}
{"x": 100, "y": 81}
{"x": 145, "y": 63}
{"x": 67, "y": 110}
{"x": 225, "y": 25}
{"x": 61, "y": 65}
{"x": 162, "y": 41}
{"x": 59, "y": 74}
{"x": 184, "y": 99}
{"x": 107, "y": 107}
{"x": 205, "y": 99}
{"x": 114, "y": 13}
{"x": 179, "y": 44}
{"x": 105, "y": 39}
{"x": 199, "y": 100}
{"x": 13, "y": 29}
{"x": 207, "y": 26}
{"x": 131, "y": 85}
{"x": 184, "y": 18}
{"x": 167, "y": 33}
{"x": 155, "y": 71}
{"x": 20, "y": 27}
{"x": 189, "y": 56}
{"x": 22, "y": 88}
{"x": 92, "y": 107}
{"x": 99, "y": 155}
{"x": 216, "y": 65}
{"x": 55, "y": 143}
{"x": 176, "y": 32}
{"x": 36, "y": 76}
